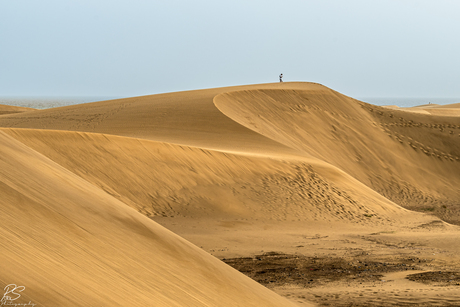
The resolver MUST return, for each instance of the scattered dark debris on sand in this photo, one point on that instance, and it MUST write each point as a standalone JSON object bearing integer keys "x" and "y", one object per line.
{"x": 437, "y": 278}
{"x": 277, "y": 269}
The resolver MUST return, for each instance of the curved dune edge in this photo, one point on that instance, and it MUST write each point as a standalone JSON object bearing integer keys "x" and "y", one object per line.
{"x": 78, "y": 246}
{"x": 161, "y": 179}
{"x": 412, "y": 159}
{"x": 186, "y": 118}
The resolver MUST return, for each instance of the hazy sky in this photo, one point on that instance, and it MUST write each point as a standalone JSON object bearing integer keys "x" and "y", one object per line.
{"x": 367, "y": 48}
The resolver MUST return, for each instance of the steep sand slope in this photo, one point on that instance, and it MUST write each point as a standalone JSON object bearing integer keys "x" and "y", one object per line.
{"x": 71, "y": 244}
{"x": 412, "y": 159}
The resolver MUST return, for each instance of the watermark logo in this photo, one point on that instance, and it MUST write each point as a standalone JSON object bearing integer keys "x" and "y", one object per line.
{"x": 12, "y": 293}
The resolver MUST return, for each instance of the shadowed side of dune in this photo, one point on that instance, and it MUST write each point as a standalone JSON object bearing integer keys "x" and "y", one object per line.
{"x": 71, "y": 244}
{"x": 412, "y": 159}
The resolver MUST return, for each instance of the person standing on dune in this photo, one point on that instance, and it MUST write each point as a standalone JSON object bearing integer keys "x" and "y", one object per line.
{"x": 281, "y": 78}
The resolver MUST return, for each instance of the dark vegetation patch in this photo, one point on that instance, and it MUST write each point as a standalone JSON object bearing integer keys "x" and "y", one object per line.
{"x": 438, "y": 278}
{"x": 277, "y": 269}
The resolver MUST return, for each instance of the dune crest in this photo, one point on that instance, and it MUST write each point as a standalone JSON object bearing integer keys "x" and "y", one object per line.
{"x": 412, "y": 159}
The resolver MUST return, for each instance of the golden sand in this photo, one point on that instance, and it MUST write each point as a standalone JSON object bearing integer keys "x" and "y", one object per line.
{"x": 292, "y": 168}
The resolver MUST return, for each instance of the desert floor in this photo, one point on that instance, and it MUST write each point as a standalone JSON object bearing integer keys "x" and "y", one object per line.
{"x": 261, "y": 195}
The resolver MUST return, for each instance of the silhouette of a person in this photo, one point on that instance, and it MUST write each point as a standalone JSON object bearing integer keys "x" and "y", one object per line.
{"x": 281, "y": 78}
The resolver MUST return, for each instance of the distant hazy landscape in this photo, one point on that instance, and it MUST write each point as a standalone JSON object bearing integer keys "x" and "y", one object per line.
{"x": 405, "y": 102}
{"x": 54, "y": 102}
{"x": 48, "y": 102}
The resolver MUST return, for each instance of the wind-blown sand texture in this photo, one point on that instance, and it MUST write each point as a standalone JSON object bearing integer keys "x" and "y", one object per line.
{"x": 301, "y": 188}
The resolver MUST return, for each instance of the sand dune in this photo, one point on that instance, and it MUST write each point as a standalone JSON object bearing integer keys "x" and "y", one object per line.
{"x": 451, "y": 110}
{"x": 301, "y": 119}
{"x": 187, "y": 118}
{"x": 71, "y": 244}
{"x": 295, "y": 168}
{"x": 159, "y": 179}
{"x": 6, "y": 109}
{"x": 409, "y": 158}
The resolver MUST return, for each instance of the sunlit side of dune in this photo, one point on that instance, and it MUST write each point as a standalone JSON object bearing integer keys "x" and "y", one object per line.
{"x": 176, "y": 180}
{"x": 72, "y": 244}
